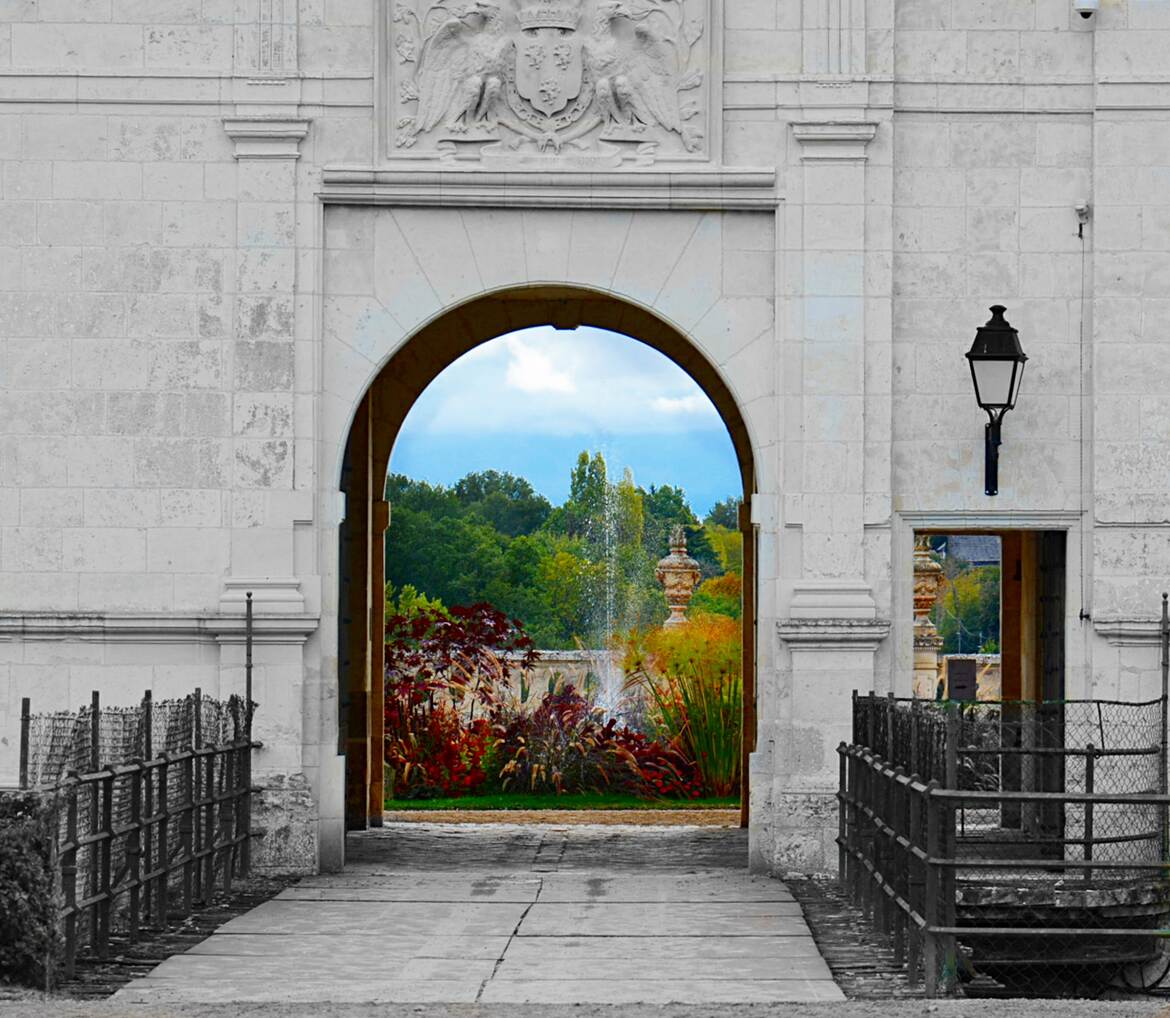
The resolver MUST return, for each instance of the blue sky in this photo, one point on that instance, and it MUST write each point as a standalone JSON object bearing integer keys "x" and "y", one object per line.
{"x": 529, "y": 402}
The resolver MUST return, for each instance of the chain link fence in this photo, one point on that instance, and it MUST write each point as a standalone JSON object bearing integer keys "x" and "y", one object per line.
{"x": 1010, "y": 848}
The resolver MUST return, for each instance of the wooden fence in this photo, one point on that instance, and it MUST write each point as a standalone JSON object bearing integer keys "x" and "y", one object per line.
{"x": 146, "y": 840}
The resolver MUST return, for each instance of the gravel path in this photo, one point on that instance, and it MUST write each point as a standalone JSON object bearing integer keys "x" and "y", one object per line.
{"x": 31, "y": 1008}
{"x": 561, "y": 817}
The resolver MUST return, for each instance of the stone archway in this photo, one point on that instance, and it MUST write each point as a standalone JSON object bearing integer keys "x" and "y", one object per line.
{"x": 380, "y": 415}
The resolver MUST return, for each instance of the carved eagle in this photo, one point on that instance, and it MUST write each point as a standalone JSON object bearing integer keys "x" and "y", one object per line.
{"x": 460, "y": 70}
{"x": 637, "y": 80}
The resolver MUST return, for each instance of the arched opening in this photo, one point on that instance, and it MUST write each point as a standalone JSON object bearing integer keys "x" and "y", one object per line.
{"x": 378, "y": 419}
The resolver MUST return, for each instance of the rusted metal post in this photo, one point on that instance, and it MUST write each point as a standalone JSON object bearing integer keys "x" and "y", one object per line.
{"x": 95, "y": 803}
{"x": 1090, "y": 782}
{"x": 870, "y": 701}
{"x": 248, "y": 635}
{"x": 891, "y": 706}
{"x": 897, "y": 868}
{"x": 915, "y": 722}
{"x": 855, "y": 868}
{"x": 134, "y": 849}
{"x": 932, "y": 954}
{"x": 196, "y": 787}
{"x": 187, "y": 828}
{"x": 915, "y": 880}
{"x": 245, "y": 775}
{"x": 25, "y": 728}
{"x": 1164, "y": 764}
{"x": 164, "y": 815}
{"x": 209, "y": 810}
{"x": 69, "y": 873}
{"x": 105, "y": 903}
{"x": 946, "y": 811}
{"x": 148, "y": 800}
{"x": 842, "y": 810}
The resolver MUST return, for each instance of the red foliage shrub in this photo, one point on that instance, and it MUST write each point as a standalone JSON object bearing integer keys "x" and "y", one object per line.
{"x": 442, "y": 670}
{"x": 565, "y": 746}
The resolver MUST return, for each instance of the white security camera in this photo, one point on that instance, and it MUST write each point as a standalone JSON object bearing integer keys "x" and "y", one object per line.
{"x": 1087, "y": 8}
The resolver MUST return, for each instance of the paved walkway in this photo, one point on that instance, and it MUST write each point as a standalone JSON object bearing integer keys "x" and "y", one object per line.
{"x": 519, "y": 915}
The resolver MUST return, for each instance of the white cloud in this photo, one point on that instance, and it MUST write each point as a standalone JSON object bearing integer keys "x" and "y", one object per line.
{"x": 544, "y": 382}
{"x": 532, "y": 370}
{"x": 696, "y": 403}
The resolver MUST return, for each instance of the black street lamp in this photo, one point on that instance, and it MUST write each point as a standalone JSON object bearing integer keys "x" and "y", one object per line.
{"x": 997, "y": 365}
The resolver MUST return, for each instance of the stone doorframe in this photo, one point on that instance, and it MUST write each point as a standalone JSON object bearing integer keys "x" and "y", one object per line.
{"x": 1078, "y": 678}
{"x": 409, "y": 289}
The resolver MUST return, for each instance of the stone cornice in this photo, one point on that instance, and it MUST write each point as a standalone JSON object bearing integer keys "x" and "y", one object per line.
{"x": 1123, "y": 632}
{"x": 834, "y": 140}
{"x": 700, "y": 190}
{"x": 263, "y": 137}
{"x": 992, "y": 519}
{"x": 156, "y": 629}
{"x": 833, "y": 634}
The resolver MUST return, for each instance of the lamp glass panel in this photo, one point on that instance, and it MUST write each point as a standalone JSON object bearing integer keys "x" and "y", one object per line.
{"x": 1018, "y": 379}
{"x": 993, "y": 379}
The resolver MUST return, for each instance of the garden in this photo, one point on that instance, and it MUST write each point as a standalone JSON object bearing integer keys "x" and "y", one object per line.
{"x": 654, "y": 715}
{"x": 464, "y": 721}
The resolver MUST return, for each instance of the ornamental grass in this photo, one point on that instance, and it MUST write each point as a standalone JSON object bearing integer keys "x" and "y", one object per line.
{"x": 692, "y": 676}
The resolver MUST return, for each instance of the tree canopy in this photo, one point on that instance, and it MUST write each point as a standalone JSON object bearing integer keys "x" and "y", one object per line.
{"x": 570, "y": 573}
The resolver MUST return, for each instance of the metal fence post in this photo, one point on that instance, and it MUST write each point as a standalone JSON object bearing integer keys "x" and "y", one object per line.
{"x": 134, "y": 849}
{"x": 146, "y": 844}
{"x": 245, "y": 776}
{"x": 1164, "y": 764}
{"x": 914, "y": 881}
{"x": 949, "y": 845}
{"x": 196, "y": 789}
{"x": 95, "y": 802}
{"x": 69, "y": 874}
{"x": 931, "y": 953}
{"x": 25, "y": 726}
{"x": 163, "y": 833}
{"x": 105, "y": 904}
{"x": 842, "y": 814}
{"x": 897, "y": 869}
{"x": 1090, "y": 783}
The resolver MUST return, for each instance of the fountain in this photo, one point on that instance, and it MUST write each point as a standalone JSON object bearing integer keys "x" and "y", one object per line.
{"x": 679, "y": 574}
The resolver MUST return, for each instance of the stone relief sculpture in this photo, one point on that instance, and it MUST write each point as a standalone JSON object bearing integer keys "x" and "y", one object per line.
{"x": 583, "y": 82}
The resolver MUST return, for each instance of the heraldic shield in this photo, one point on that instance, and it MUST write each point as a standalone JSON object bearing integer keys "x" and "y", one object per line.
{"x": 550, "y": 63}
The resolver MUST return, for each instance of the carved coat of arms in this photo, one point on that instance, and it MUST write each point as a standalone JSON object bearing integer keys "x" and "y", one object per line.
{"x": 597, "y": 81}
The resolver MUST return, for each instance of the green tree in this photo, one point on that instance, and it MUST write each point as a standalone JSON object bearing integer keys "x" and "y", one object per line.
{"x": 725, "y": 513}
{"x": 507, "y": 502}
{"x": 968, "y": 608}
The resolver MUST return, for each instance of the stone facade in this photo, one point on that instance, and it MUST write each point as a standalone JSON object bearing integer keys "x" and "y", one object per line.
{"x": 213, "y": 241}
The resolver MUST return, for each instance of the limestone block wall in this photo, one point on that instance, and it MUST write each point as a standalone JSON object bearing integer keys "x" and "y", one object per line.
{"x": 186, "y": 327}
{"x": 147, "y": 309}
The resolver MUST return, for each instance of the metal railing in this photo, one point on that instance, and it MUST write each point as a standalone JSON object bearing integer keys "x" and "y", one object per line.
{"x": 144, "y": 840}
{"x": 1014, "y": 847}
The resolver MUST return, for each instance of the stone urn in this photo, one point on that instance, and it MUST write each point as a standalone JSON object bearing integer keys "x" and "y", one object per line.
{"x": 928, "y": 580}
{"x": 679, "y": 574}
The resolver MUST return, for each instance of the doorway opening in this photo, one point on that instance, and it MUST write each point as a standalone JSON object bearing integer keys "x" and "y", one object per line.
{"x": 377, "y": 424}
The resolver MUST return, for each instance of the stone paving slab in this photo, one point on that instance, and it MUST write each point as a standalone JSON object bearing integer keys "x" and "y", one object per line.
{"x": 358, "y": 945}
{"x": 558, "y": 887}
{"x": 516, "y": 916}
{"x": 557, "y": 964}
{"x": 639, "y": 991}
{"x": 674, "y": 919}
{"x": 290, "y": 918}
{"x": 264, "y": 990}
{"x": 490, "y": 890}
{"x": 532, "y": 950}
{"x": 325, "y": 966}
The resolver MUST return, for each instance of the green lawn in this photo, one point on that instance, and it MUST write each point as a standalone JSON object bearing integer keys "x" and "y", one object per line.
{"x": 533, "y": 801}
